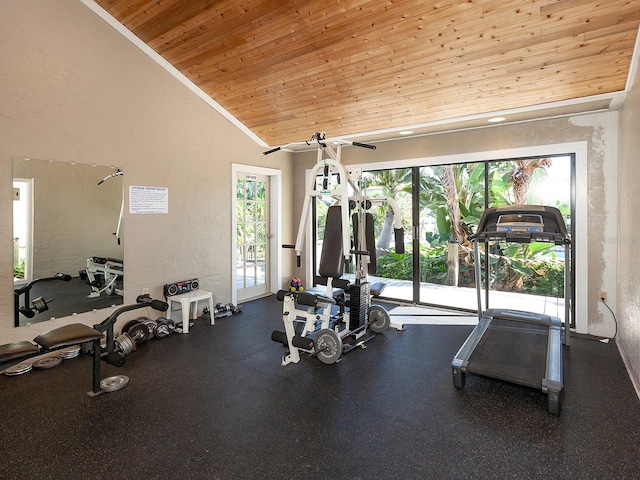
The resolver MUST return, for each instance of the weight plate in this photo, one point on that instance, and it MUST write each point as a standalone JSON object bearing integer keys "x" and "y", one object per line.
{"x": 379, "y": 319}
{"x": 86, "y": 347}
{"x": 127, "y": 326}
{"x": 151, "y": 325}
{"x": 125, "y": 344}
{"x": 70, "y": 352}
{"x": 18, "y": 369}
{"x": 112, "y": 384}
{"x": 161, "y": 330}
{"x": 47, "y": 362}
{"x": 139, "y": 332}
{"x": 329, "y": 346}
{"x": 119, "y": 345}
{"x": 40, "y": 304}
{"x": 132, "y": 341}
{"x": 110, "y": 288}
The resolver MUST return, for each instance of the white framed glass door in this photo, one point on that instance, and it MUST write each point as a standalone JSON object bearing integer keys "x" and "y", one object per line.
{"x": 252, "y": 235}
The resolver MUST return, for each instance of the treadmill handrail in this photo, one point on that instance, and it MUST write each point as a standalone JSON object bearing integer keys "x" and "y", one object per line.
{"x": 522, "y": 316}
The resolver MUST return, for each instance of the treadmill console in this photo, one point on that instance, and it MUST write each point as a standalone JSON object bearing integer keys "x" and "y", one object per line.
{"x": 517, "y": 222}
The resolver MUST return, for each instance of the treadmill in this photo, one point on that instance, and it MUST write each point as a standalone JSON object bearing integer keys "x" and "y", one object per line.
{"x": 512, "y": 345}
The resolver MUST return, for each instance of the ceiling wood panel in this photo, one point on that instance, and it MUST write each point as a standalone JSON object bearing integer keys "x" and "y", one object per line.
{"x": 286, "y": 69}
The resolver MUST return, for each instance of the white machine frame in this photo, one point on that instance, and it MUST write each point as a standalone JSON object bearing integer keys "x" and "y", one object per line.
{"x": 317, "y": 317}
{"x": 111, "y": 269}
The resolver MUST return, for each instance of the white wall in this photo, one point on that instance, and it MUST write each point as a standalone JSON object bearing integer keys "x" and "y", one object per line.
{"x": 73, "y": 89}
{"x": 627, "y": 238}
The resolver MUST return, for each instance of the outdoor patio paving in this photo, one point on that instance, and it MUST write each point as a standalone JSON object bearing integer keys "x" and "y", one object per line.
{"x": 466, "y": 298}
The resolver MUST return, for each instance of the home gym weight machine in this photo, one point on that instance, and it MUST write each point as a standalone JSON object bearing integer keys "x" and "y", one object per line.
{"x": 512, "y": 345}
{"x": 102, "y": 274}
{"x": 316, "y": 330}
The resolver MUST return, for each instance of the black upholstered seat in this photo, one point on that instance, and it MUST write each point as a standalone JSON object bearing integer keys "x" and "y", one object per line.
{"x": 67, "y": 335}
{"x": 17, "y": 350}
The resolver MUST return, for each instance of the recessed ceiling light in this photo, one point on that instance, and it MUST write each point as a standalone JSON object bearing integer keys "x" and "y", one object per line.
{"x": 406, "y": 132}
{"x": 497, "y": 119}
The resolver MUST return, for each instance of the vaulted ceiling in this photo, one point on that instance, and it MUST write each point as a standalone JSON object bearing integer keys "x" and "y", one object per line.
{"x": 368, "y": 68}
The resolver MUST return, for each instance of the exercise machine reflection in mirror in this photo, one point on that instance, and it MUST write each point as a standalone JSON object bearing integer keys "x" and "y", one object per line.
{"x": 29, "y": 308}
{"x": 103, "y": 273}
{"x": 339, "y": 317}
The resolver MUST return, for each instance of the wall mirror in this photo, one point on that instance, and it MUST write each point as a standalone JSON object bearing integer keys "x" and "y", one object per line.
{"x": 68, "y": 238}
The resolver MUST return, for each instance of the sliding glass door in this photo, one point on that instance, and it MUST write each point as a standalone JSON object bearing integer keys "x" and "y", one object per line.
{"x": 450, "y": 198}
{"x": 441, "y": 206}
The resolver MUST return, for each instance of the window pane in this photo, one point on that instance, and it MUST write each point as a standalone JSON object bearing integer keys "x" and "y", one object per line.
{"x": 260, "y": 212}
{"x": 261, "y": 191}
{"x": 251, "y": 190}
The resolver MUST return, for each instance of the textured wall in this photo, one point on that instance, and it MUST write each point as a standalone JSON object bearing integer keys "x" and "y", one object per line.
{"x": 599, "y": 131}
{"x": 73, "y": 89}
{"x": 74, "y": 217}
{"x": 627, "y": 238}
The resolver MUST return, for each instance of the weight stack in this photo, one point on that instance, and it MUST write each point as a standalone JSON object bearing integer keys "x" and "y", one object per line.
{"x": 358, "y": 305}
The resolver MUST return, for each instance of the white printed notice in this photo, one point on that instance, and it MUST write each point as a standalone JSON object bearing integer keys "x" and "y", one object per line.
{"x": 148, "y": 199}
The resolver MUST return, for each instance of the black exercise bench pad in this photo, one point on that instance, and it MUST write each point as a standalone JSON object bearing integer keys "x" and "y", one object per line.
{"x": 16, "y": 350}
{"x": 67, "y": 335}
{"x": 331, "y": 256}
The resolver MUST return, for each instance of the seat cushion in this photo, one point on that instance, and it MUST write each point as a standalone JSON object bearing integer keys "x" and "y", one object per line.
{"x": 16, "y": 350}
{"x": 67, "y": 335}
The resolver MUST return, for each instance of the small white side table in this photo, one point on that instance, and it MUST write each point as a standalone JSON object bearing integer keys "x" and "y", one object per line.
{"x": 187, "y": 300}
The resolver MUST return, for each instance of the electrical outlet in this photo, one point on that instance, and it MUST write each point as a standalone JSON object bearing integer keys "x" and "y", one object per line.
{"x": 145, "y": 291}
{"x": 603, "y": 296}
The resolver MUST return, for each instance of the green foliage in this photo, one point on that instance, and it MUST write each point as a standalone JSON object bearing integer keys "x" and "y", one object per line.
{"x": 395, "y": 265}
{"x": 18, "y": 269}
{"x": 530, "y": 268}
{"x": 544, "y": 276}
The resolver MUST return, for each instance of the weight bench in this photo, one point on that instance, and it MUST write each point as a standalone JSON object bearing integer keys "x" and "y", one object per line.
{"x": 72, "y": 334}
{"x": 76, "y": 333}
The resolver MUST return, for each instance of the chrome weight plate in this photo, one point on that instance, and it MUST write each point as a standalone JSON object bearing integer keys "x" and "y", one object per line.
{"x": 86, "y": 347}
{"x": 47, "y": 362}
{"x": 70, "y": 352}
{"x": 379, "y": 319}
{"x": 151, "y": 325}
{"x": 139, "y": 332}
{"x": 112, "y": 384}
{"x": 125, "y": 344}
{"x": 328, "y": 346}
{"x": 18, "y": 369}
{"x": 162, "y": 330}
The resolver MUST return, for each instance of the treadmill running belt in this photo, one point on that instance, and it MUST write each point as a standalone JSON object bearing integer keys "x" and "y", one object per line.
{"x": 512, "y": 351}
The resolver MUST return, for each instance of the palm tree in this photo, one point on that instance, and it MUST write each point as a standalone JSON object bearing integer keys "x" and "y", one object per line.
{"x": 522, "y": 174}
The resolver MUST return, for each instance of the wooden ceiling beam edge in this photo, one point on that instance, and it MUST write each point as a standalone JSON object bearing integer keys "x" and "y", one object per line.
{"x": 611, "y": 97}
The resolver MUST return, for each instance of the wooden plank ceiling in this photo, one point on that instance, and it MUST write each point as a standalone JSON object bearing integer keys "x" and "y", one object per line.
{"x": 286, "y": 69}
